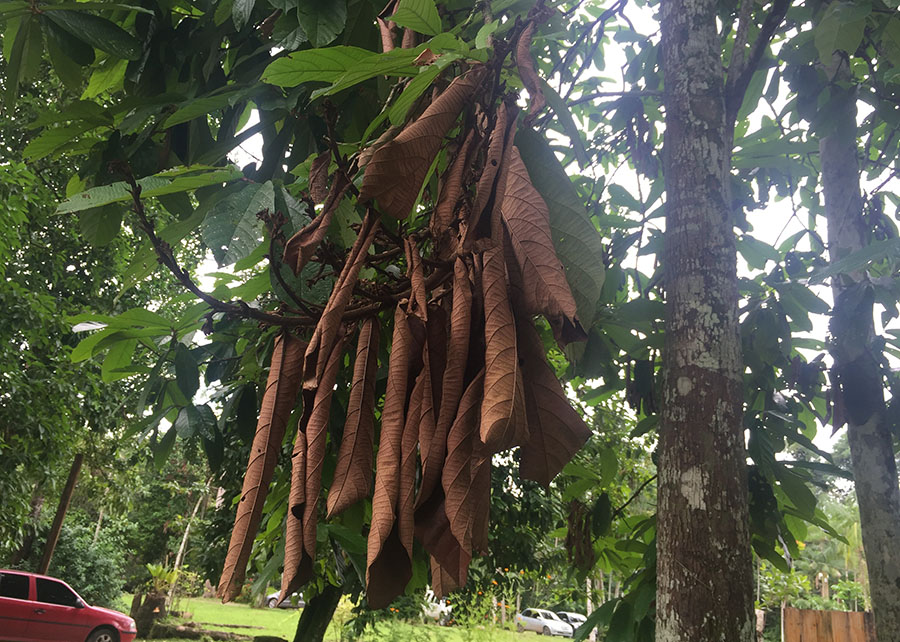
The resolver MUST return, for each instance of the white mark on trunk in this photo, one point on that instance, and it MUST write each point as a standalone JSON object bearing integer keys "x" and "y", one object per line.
{"x": 684, "y": 385}
{"x": 693, "y": 487}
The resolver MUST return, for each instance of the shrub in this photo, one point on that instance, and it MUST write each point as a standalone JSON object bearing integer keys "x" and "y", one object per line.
{"x": 93, "y": 569}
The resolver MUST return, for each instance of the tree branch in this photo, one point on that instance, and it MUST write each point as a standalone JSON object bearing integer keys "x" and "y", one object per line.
{"x": 736, "y": 86}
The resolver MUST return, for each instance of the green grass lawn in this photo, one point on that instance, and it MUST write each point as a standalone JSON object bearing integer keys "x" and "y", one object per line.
{"x": 283, "y": 623}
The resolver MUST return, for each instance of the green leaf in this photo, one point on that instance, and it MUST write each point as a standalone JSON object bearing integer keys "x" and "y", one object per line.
{"x": 108, "y": 75}
{"x": 841, "y": 28}
{"x": 15, "y": 69}
{"x": 559, "y": 107}
{"x": 859, "y": 260}
{"x": 167, "y": 182}
{"x": 601, "y": 516}
{"x": 197, "y": 107}
{"x": 53, "y": 139}
{"x": 796, "y": 489}
{"x": 99, "y": 32}
{"x": 802, "y": 295}
{"x": 69, "y": 45}
{"x": 598, "y": 619}
{"x": 322, "y": 20}
{"x": 609, "y": 466}
{"x": 484, "y": 34}
{"x": 314, "y": 65}
{"x": 621, "y": 628}
{"x": 193, "y": 420}
{"x": 99, "y": 226}
{"x": 66, "y": 68}
{"x": 413, "y": 90}
{"x": 418, "y": 15}
{"x": 187, "y": 374}
{"x": 232, "y": 231}
{"x": 85, "y": 348}
{"x": 756, "y": 252}
{"x": 577, "y": 241}
{"x": 162, "y": 448}
{"x": 240, "y": 12}
{"x": 350, "y": 540}
{"x": 115, "y": 364}
{"x": 398, "y": 62}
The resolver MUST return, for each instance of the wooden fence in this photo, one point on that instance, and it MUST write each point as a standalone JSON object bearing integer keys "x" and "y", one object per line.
{"x": 828, "y": 626}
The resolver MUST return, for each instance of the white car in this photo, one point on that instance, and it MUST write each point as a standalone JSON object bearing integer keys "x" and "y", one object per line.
{"x": 575, "y": 619}
{"x": 543, "y": 622}
{"x": 434, "y": 609}
{"x": 293, "y": 601}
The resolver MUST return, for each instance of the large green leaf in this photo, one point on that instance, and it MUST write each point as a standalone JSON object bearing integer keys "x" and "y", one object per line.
{"x": 577, "y": 242}
{"x": 197, "y": 107}
{"x": 566, "y": 121}
{"x": 232, "y": 230}
{"x": 322, "y": 20}
{"x": 99, "y": 226}
{"x": 99, "y": 32}
{"x": 398, "y": 62}
{"x": 859, "y": 260}
{"x": 167, "y": 182}
{"x": 314, "y": 65}
{"x": 72, "y": 46}
{"x": 413, "y": 90}
{"x": 17, "y": 65}
{"x": 418, "y": 15}
{"x": 240, "y": 12}
{"x": 841, "y": 28}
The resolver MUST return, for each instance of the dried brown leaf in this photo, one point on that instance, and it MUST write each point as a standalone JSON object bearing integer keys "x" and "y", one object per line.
{"x": 492, "y": 163}
{"x": 318, "y": 177}
{"x": 418, "y": 298}
{"x": 316, "y": 432}
{"x": 293, "y": 536}
{"x": 527, "y": 220}
{"x": 387, "y": 29}
{"x": 409, "y": 40}
{"x": 464, "y": 449}
{"x": 278, "y": 401}
{"x": 386, "y": 552}
{"x": 451, "y": 385}
{"x": 451, "y": 192}
{"x": 557, "y": 431}
{"x": 526, "y": 71}
{"x": 326, "y": 329}
{"x": 396, "y": 171}
{"x": 502, "y": 411}
{"x": 353, "y": 475}
{"x": 442, "y": 583}
{"x": 301, "y": 247}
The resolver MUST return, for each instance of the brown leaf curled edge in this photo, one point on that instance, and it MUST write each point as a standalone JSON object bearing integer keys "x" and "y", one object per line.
{"x": 526, "y": 71}
{"x": 353, "y": 475}
{"x": 301, "y": 247}
{"x": 278, "y": 401}
{"x": 503, "y": 407}
{"x": 545, "y": 287}
{"x": 386, "y": 554}
{"x": 293, "y": 536}
{"x": 395, "y": 174}
{"x": 557, "y": 431}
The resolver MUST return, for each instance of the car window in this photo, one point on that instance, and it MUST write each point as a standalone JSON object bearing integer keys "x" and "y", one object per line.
{"x": 14, "y": 585}
{"x": 527, "y": 613}
{"x": 53, "y": 592}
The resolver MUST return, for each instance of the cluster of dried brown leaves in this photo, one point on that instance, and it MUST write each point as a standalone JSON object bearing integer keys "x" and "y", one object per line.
{"x": 467, "y": 374}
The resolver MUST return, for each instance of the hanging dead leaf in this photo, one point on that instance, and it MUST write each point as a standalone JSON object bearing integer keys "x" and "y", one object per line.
{"x": 353, "y": 475}
{"x": 441, "y": 582}
{"x": 409, "y": 40}
{"x": 278, "y": 401}
{"x": 452, "y": 383}
{"x": 527, "y": 73}
{"x": 396, "y": 171}
{"x": 318, "y": 177}
{"x": 464, "y": 450}
{"x": 557, "y": 431}
{"x": 385, "y": 550}
{"x": 492, "y": 163}
{"x": 451, "y": 192}
{"x": 527, "y": 220}
{"x": 387, "y": 29}
{"x": 301, "y": 247}
{"x": 326, "y": 329}
{"x": 427, "y": 57}
{"x": 293, "y": 535}
{"x": 503, "y": 410}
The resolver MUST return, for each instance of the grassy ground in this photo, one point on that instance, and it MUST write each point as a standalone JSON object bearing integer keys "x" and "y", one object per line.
{"x": 283, "y": 623}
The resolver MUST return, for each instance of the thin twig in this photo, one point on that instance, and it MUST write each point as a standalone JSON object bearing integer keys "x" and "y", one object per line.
{"x": 633, "y": 497}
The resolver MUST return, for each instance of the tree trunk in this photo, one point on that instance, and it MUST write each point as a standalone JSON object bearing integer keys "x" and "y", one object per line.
{"x": 179, "y": 557}
{"x": 857, "y": 374}
{"x": 705, "y": 571}
{"x": 56, "y": 527}
{"x": 317, "y": 614}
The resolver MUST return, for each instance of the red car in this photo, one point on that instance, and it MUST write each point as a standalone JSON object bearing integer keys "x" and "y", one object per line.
{"x": 37, "y": 608}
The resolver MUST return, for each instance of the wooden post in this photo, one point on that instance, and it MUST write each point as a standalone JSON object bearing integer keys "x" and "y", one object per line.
{"x": 53, "y": 535}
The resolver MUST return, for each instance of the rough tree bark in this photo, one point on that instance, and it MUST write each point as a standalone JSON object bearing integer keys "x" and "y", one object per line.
{"x": 705, "y": 574}
{"x": 856, "y": 369}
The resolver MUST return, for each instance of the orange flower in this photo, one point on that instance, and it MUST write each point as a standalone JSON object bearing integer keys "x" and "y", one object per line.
{"x": 549, "y": 577}
{"x": 480, "y": 593}
{"x": 494, "y": 582}
{"x": 521, "y": 572}
{"x": 506, "y": 570}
